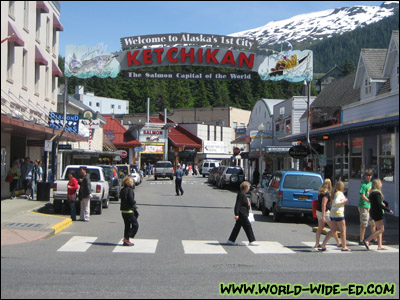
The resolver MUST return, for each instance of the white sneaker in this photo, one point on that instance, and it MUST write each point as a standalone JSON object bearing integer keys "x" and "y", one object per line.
{"x": 254, "y": 244}
{"x": 230, "y": 243}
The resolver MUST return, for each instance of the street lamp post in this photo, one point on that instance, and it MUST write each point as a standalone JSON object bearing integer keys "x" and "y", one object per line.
{"x": 261, "y": 129}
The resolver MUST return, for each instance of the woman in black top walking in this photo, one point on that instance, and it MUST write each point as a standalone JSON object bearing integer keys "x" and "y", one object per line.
{"x": 376, "y": 212}
{"x": 241, "y": 210}
{"x": 129, "y": 210}
{"x": 323, "y": 212}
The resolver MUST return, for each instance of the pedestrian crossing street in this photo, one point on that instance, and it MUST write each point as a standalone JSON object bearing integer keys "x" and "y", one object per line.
{"x": 203, "y": 247}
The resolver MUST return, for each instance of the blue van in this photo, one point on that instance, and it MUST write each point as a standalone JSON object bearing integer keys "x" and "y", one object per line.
{"x": 290, "y": 192}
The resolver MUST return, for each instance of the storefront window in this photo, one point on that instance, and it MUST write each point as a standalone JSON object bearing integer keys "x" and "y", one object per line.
{"x": 341, "y": 168}
{"x": 356, "y": 157}
{"x": 387, "y": 157}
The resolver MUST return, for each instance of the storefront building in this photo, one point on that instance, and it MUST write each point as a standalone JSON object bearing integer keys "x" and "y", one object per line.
{"x": 365, "y": 130}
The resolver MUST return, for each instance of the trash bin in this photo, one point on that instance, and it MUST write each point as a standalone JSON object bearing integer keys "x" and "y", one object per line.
{"x": 43, "y": 191}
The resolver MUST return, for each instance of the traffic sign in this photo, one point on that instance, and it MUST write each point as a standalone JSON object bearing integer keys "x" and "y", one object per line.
{"x": 123, "y": 154}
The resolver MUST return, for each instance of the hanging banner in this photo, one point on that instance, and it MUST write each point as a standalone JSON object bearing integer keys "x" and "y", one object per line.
{"x": 189, "y": 49}
{"x": 84, "y": 62}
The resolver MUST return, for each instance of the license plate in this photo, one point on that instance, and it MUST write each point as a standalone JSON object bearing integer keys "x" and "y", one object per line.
{"x": 303, "y": 197}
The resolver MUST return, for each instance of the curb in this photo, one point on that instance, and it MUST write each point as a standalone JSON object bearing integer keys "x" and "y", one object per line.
{"x": 59, "y": 226}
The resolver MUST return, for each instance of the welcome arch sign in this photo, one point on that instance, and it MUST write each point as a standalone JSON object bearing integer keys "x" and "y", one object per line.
{"x": 189, "y": 49}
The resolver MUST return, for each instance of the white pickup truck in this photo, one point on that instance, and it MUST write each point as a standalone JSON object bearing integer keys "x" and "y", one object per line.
{"x": 100, "y": 189}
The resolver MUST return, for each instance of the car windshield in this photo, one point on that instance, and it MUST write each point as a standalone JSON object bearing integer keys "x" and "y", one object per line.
{"x": 108, "y": 172}
{"x": 234, "y": 171}
{"x": 164, "y": 165}
{"x": 93, "y": 173}
{"x": 123, "y": 169}
{"x": 302, "y": 182}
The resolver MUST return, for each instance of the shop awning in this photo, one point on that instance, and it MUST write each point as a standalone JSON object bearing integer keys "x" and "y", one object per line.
{"x": 56, "y": 24}
{"x": 41, "y": 5}
{"x": 56, "y": 70}
{"x": 39, "y": 57}
{"x": 352, "y": 126}
{"x": 14, "y": 35}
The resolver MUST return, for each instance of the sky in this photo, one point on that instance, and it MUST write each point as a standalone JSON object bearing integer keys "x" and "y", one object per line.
{"x": 92, "y": 22}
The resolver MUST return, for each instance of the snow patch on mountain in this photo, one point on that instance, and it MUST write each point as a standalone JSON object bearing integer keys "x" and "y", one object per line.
{"x": 319, "y": 25}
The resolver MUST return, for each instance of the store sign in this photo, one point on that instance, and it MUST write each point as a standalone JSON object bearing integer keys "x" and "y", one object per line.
{"x": 56, "y": 121}
{"x": 149, "y": 135}
{"x": 214, "y": 147}
{"x": 153, "y": 149}
{"x": 298, "y": 152}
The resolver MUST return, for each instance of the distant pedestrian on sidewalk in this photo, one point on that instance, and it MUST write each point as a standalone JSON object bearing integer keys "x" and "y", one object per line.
{"x": 364, "y": 206}
{"x": 15, "y": 171}
{"x": 72, "y": 188}
{"x": 377, "y": 210}
{"x": 337, "y": 216}
{"x": 241, "y": 210}
{"x": 85, "y": 193}
{"x": 324, "y": 212}
{"x": 129, "y": 210}
{"x": 178, "y": 180}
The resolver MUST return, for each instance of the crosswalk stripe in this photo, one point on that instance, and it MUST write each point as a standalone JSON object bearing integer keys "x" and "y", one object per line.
{"x": 83, "y": 243}
{"x": 269, "y": 248}
{"x": 78, "y": 244}
{"x": 202, "y": 247}
{"x": 141, "y": 246}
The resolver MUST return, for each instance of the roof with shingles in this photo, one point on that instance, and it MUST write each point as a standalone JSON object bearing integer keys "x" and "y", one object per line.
{"x": 118, "y": 130}
{"x": 374, "y": 60}
{"x": 179, "y": 136}
{"x": 338, "y": 93}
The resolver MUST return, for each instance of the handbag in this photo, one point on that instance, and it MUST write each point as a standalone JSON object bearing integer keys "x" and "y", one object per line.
{"x": 71, "y": 198}
{"x": 9, "y": 177}
{"x": 251, "y": 216}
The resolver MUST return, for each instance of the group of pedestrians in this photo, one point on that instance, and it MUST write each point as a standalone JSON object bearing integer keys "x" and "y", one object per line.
{"x": 24, "y": 175}
{"x": 371, "y": 206}
{"x": 84, "y": 185}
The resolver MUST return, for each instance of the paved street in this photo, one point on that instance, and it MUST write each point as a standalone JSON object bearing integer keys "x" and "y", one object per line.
{"x": 180, "y": 252}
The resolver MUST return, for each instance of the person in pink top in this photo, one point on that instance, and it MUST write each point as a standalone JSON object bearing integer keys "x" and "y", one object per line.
{"x": 72, "y": 188}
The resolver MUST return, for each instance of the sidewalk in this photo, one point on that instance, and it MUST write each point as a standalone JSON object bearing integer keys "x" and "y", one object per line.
{"x": 22, "y": 222}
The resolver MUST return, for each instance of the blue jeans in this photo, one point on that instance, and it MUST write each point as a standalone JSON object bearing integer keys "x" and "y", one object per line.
{"x": 72, "y": 206}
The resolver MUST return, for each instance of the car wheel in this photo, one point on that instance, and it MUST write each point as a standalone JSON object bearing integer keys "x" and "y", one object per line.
{"x": 172, "y": 177}
{"x": 155, "y": 177}
{"x": 276, "y": 217}
{"x": 107, "y": 202}
{"x": 265, "y": 211}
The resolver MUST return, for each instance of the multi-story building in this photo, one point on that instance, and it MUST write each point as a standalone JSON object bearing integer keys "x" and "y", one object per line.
{"x": 29, "y": 78}
{"x": 103, "y": 105}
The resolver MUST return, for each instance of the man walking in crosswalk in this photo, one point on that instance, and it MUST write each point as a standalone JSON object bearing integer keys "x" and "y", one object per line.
{"x": 178, "y": 180}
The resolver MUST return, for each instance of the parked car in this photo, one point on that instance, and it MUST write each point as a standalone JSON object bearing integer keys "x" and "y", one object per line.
{"x": 291, "y": 192}
{"x": 113, "y": 179}
{"x": 256, "y": 193}
{"x": 128, "y": 170}
{"x": 218, "y": 174}
{"x": 212, "y": 174}
{"x": 100, "y": 189}
{"x": 207, "y": 166}
{"x": 140, "y": 172}
{"x": 163, "y": 169}
{"x": 231, "y": 176}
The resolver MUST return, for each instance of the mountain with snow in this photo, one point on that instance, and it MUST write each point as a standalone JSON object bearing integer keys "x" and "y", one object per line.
{"x": 316, "y": 26}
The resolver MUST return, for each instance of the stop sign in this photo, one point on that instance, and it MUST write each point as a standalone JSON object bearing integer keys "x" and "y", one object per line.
{"x": 124, "y": 154}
